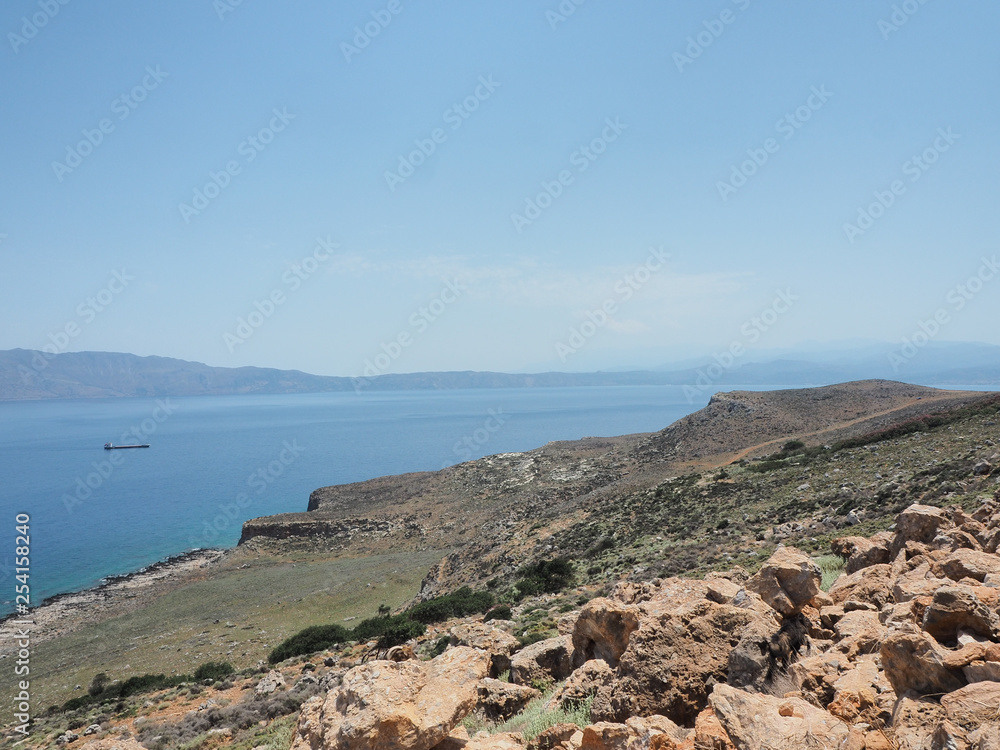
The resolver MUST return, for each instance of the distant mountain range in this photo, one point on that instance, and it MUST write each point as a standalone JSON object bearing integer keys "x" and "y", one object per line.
{"x": 27, "y": 374}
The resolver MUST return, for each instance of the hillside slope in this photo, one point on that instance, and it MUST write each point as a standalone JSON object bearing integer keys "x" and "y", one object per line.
{"x": 502, "y": 510}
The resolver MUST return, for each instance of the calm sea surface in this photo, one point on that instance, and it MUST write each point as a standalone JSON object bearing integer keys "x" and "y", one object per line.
{"x": 217, "y": 461}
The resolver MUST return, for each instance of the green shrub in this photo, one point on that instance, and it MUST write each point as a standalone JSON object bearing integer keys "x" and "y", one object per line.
{"x": 792, "y": 445}
{"x": 309, "y": 640}
{"x": 399, "y": 633}
{"x": 214, "y": 670}
{"x": 440, "y": 645}
{"x": 463, "y": 602}
{"x": 544, "y": 576}
{"x": 499, "y": 612}
{"x": 375, "y": 627}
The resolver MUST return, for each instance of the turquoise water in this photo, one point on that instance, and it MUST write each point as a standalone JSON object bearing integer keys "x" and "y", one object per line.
{"x": 217, "y": 461}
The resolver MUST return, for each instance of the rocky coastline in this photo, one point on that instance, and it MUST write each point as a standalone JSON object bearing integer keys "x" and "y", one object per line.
{"x": 63, "y": 613}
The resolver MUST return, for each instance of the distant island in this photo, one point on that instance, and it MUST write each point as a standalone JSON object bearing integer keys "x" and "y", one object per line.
{"x": 27, "y": 374}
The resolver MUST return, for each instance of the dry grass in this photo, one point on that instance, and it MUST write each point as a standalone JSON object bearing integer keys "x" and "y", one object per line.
{"x": 237, "y": 615}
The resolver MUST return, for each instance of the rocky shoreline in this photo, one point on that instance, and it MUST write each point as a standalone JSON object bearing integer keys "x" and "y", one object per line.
{"x": 114, "y": 596}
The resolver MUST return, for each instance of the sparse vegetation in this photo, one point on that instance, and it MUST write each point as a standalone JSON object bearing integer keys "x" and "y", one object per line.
{"x": 831, "y": 566}
{"x": 387, "y": 630}
{"x": 535, "y": 718}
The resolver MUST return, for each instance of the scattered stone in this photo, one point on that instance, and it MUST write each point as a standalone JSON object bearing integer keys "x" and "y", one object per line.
{"x": 270, "y": 683}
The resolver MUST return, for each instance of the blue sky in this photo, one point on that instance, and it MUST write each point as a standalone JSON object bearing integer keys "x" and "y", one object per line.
{"x": 484, "y": 184}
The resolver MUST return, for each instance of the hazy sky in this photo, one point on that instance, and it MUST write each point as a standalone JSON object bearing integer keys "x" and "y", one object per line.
{"x": 299, "y": 185}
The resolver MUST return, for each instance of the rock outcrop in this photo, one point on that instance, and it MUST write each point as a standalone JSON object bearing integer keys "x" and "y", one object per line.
{"x": 904, "y": 653}
{"x": 385, "y": 705}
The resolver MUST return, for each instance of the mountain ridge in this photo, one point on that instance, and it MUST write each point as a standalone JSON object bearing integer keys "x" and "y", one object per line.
{"x": 34, "y": 375}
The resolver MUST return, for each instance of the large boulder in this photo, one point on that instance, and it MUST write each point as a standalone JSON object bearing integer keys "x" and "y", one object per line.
{"x": 638, "y": 733}
{"x": 921, "y": 524}
{"x": 967, "y": 563}
{"x": 954, "y": 608}
{"x": 762, "y": 722}
{"x": 543, "y": 662}
{"x": 585, "y": 681}
{"x": 915, "y": 662}
{"x": 787, "y": 581}
{"x": 501, "y": 741}
{"x": 872, "y": 584}
{"x": 602, "y": 630}
{"x": 605, "y": 735}
{"x": 672, "y": 660}
{"x": 859, "y": 632}
{"x": 498, "y": 701}
{"x": 709, "y": 733}
{"x": 749, "y": 662}
{"x": 499, "y": 644}
{"x": 858, "y": 552}
{"x": 974, "y": 705}
{"x": 914, "y": 721}
{"x": 385, "y": 705}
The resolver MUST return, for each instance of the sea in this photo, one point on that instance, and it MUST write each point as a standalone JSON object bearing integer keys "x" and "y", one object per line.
{"x": 216, "y": 461}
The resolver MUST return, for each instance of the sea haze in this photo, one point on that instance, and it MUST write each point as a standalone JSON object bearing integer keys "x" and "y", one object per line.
{"x": 216, "y": 461}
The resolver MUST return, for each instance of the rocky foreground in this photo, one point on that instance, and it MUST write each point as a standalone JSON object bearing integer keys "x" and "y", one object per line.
{"x": 903, "y": 651}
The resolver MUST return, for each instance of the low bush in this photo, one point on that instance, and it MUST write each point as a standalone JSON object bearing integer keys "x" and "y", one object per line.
{"x": 543, "y": 577}
{"x": 309, "y": 640}
{"x": 214, "y": 670}
{"x": 499, "y": 612}
{"x": 461, "y": 603}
